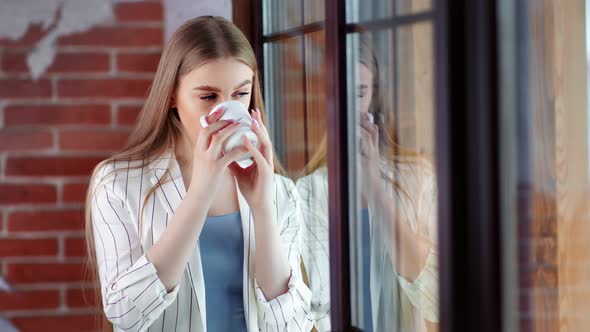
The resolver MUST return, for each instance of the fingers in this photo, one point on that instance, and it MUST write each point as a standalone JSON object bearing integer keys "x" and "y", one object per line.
{"x": 364, "y": 121}
{"x": 258, "y": 157}
{"x": 233, "y": 155}
{"x": 364, "y": 143}
{"x": 221, "y": 135}
{"x": 258, "y": 117}
{"x": 372, "y": 130}
{"x": 266, "y": 146}
{"x": 205, "y": 134}
{"x": 215, "y": 115}
{"x": 375, "y": 134}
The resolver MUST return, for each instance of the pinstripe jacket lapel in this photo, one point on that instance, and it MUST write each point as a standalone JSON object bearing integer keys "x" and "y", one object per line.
{"x": 170, "y": 195}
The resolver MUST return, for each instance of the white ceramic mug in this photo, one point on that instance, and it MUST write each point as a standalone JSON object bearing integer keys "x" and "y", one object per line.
{"x": 236, "y": 111}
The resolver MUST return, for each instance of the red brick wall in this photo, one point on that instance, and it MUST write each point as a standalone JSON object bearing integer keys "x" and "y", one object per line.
{"x": 52, "y": 132}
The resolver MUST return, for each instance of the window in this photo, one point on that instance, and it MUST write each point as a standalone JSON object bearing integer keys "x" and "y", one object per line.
{"x": 390, "y": 78}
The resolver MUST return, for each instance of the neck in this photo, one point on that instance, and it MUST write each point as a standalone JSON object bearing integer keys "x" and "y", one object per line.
{"x": 184, "y": 151}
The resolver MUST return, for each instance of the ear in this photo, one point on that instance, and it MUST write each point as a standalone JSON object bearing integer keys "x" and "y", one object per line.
{"x": 173, "y": 100}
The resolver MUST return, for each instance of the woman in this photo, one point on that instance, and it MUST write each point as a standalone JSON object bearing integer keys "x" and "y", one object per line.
{"x": 182, "y": 237}
{"x": 397, "y": 223}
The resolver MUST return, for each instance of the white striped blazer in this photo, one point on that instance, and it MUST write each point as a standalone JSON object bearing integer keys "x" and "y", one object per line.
{"x": 134, "y": 298}
{"x": 397, "y": 304}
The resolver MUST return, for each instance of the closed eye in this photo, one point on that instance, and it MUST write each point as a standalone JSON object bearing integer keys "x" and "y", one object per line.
{"x": 209, "y": 97}
{"x": 242, "y": 94}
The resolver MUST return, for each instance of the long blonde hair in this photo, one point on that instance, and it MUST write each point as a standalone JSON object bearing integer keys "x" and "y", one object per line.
{"x": 158, "y": 127}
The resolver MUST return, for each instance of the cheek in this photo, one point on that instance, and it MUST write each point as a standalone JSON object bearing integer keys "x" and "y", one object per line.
{"x": 363, "y": 104}
{"x": 246, "y": 100}
{"x": 190, "y": 112}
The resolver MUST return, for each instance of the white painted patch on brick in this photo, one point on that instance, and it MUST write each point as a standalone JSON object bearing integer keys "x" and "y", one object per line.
{"x": 6, "y": 326}
{"x": 4, "y": 286}
{"x": 73, "y": 16}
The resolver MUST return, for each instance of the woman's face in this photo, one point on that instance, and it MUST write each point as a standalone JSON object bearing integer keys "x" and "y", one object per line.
{"x": 214, "y": 82}
{"x": 365, "y": 88}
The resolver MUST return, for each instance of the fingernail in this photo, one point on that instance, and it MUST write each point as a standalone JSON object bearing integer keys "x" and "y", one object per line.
{"x": 219, "y": 111}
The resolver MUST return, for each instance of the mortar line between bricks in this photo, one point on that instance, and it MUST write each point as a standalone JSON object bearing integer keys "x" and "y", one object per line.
{"x": 59, "y": 188}
{"x": 4, "y": 222}
{"x": 54, "y": 91}
{"x": 43, "y": 260}
{"x": 68, "y": 101}
{"x": 89, "y": 48}
{"x": 2, "y": 166}
{"x": 48, "y": 285}
{"x": 114, "y": 113}
{"x": 45, "y": 153}
{"x": 38, "y": 208}
{"x": 39, "y": 235}
{"x": 61, "y": 248}
{"x": 151, "y": 24}
{"x": 113, "y": 62}
{"x": 2, "y": 106}
{"x": 53, "y": 77}
{"x": 62, "y": 298}
{"x": 47, "y": 312}
{"x": 75, "y": 101}
{"x": 55, "y": 135}
{"x": 44, "y": 180}
{"x": 42, "y": 207}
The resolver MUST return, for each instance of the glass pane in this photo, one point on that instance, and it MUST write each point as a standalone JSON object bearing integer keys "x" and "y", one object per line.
{"x": 546, "y": 156}
{"x": 394, "y": 254}
{"x": 285, "y": 97}
{"x": 405, "y": 7}
{"x": 279, "y": 15}
{"x": 315, "y": 11}
{"x": 315, "y": 93}
{"x": 415, "y": 92}
{"x": 295, "y": 97}
{"x": 369, "y": 10}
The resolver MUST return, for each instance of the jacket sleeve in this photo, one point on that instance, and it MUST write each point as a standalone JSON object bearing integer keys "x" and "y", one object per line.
{"x": 288, "y": 311}
{"x": 315, "y": 246}
{"x": 132, "y": 294}
{"x": 423, "y": 291}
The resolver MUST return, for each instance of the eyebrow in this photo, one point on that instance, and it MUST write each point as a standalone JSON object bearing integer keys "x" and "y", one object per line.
{"x": 215, "y": 89}
{"x": 363, "y": 86}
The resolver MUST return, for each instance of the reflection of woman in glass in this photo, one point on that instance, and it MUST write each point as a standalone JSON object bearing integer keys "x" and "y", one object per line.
{"x": 398, "y": 224}
{"x": 181, "y": 236}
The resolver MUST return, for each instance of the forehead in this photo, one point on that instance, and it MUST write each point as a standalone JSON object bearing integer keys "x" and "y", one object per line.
{"x": 223, "y": 73}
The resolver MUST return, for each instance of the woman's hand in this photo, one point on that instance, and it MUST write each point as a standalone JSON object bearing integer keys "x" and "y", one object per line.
{"x": 370, "y": 179}
{"x": 208, "y": 162}
{"x": 256, "y": 181}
